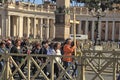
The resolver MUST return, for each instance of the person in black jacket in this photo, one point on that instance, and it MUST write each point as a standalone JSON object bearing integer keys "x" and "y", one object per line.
{"x": 43, "y": 50}
{"x": 17, "y": 50}
{"x": 35, "y": 50}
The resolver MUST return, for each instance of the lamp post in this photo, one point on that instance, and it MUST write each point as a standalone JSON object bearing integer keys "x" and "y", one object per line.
{"x": 98, "y": 14}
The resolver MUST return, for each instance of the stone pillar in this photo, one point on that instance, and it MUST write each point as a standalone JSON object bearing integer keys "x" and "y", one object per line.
{"x": 72, "y": 29}
{"x": 86, "y": 27}
{"x": 34, "y": 28}
{"x": 14, "y": 22}
{"x": 47, "y": 29}
{"x": 99, "y": 30}
{"x": 3, "y": 30}
{"x": 79, "y": 27}
{"x": 28, "y": 26}
{"x": 62, "y": 24}
{"x": 113, "y": 31}
{"x": 53, "y": 28}
{"x": 41, "y": 28}
{"x": 20, "y": 20}
{"x": 106, "y": 31}
{"x": 9, "y": 23}
{"x": 17, "y": 26}
{"x": 93, "y": 26}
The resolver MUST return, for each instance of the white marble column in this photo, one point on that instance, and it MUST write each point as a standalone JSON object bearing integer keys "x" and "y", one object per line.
{"x": 47, "y": 36}
{"x": 86, "y": 27}
{"x": 20, "y": 20}
{"x": 113, "y": 31}
{"x": 99, "y": 30}
{"x": 17, "y": 26}
{"x": 3, "y": 30}
{"x": 93, "y": 27}
{"x": 15, "y": 21}
{"x": 79, "y": 27}
{"x": 53, "y": 28}
{"x": 41, "y": 28}
{"x": 34, "y": 28}
{"x": 106, "y": 31}
{"x": 9, "y": 23}
{"x": 7, "y": 31}
{"x": 28, "y": 26}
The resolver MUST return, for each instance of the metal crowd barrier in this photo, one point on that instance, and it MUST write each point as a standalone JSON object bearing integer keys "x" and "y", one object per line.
{"x": 30, "y": 60}
{"x": 99, "y": 63}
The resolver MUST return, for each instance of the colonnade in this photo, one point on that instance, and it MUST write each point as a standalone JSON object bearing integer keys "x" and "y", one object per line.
{"x": 21, "y": 26}
{"x": 44, "y": 27}
{"x": 107, "y": 30}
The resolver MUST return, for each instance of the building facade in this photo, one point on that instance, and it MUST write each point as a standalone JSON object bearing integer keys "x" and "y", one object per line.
{"x": 38, "y": 21}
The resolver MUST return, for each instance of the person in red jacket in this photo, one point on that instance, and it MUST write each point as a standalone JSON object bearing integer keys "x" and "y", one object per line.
{"x": 68, "y": 51}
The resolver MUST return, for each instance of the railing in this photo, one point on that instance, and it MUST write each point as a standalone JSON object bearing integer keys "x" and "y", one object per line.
{"x": 102, "y": 63}
{"x": 97, "y": 63}
{"x": 51, "y": 8}
{"x": 31, "y": 61}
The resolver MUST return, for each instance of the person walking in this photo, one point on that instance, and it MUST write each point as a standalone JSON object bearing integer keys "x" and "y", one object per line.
{"x": 18, "y": 59}
{"x": 68, "y": 51}
{"x": 3, "y": 50}
{"x": 57, "y": 48}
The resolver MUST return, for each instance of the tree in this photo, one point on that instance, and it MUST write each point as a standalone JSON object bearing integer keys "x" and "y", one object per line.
{"x": 104, "y": 4}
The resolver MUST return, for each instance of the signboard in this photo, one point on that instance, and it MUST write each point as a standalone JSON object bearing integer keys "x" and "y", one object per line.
{"x": 79, "y": 36}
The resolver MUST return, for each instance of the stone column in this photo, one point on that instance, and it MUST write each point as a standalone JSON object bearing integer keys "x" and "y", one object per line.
{"x": 41, "y": 28}
{"x": 99, "y": 31}
{"x": 106, "y": 31}
{"x": 9, "y": 23}
{"x": 28, "y": 26}
{"x": 3, "y": 30}
{"x": 72, "y": 29}
{"x": 86, "y": 27}
{"x": 93, "y": 26}
{"x": 17, "y": 26}
{"x": 34, "y": 28}
{"x": 79, "y": 27}
{"x": 47, "y": 29}
{"x": 53, "y": 28}
{"x": 113, "y": 31}
{"x": 14, "y": 22}
{"x": 7, "y": 26}
{"x": 20, "y": 20}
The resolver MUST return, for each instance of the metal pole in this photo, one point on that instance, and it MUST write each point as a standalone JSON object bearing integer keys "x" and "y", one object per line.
{"x": 6, "y": 77}
{"x": 74, "y": 25}
{"x": 52, "y": 67}
{"x": 28, "y": 64}
{"x": 114, "y": 67}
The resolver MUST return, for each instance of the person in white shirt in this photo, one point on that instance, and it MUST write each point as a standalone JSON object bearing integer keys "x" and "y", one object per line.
{"x": 57, "y": 47}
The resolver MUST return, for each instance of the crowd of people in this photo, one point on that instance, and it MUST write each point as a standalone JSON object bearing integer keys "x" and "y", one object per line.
{"x": 19, "y": 46}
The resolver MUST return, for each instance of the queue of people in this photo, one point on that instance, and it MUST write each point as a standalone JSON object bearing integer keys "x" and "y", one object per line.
{"x": 46, "y": 48}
